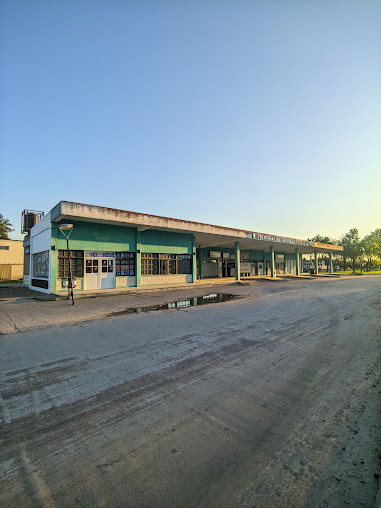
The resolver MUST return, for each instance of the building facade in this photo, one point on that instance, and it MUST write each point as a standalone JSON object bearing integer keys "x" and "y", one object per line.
{"x": 11, "y": 259}
{"x": 117, "y": 249}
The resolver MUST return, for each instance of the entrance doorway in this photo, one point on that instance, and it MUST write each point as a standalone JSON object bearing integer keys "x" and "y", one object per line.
{"x": 210, "y": 268}
{"x": 255, "y": 267}
{"x": 100, "y": 273}
{"x": 226, "y": 268}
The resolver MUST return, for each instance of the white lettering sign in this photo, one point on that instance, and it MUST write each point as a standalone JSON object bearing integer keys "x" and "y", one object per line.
{"x": 279, "y": 239}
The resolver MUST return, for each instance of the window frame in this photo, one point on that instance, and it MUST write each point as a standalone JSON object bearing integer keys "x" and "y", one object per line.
{"x": 166, "y": 264}
{"x": 76, "y": 260}
{"x": 125, "y": 259}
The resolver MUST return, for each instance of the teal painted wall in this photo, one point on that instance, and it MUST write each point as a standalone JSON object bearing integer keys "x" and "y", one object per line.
{"x": 53, "y": 270}
{"x": 99, "y": 237}
{"x": 256, "y": 255}
{"x": 165, "y": 242}
{"x": 92, "y": 236}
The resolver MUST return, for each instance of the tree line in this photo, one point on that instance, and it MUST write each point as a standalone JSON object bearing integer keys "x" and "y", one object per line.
{"x": 361, "y": 251}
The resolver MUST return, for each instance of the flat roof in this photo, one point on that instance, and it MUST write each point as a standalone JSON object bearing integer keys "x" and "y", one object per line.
{"x": 207, "y": 235}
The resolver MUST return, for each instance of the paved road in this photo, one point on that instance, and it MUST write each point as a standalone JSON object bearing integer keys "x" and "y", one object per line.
{"x": 269, "y": 400}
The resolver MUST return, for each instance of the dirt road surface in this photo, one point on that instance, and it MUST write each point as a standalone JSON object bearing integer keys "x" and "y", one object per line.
{"x": 270, "y": 400}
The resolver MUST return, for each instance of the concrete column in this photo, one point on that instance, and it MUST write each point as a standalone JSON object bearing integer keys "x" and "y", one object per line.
{"x": 138, "y": 259}
{"x": 53, "y": 269}
{"x": 200, "y": 261}
{"x": 237, "y": 261}
{"x": 316, "y": 262}
{"x": 272, "y": 261}
{"x": 330, "y": 263}
{"x": 297, "y": 261}
{"x": 194, "y": 261}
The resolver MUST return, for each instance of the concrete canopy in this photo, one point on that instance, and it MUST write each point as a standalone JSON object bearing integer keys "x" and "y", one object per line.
{"x": 206, "y": 235}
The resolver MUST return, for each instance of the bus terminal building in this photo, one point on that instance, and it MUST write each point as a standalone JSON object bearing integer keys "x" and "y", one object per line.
{"x": 117, "y": 249}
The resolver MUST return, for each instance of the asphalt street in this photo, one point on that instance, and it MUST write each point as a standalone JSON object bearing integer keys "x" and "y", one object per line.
{"x": 271, "y": 399}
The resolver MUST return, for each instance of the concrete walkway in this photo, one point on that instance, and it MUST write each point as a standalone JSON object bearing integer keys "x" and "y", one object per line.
{"x": 17, "y": 291}
{"x": 24, "y": 310}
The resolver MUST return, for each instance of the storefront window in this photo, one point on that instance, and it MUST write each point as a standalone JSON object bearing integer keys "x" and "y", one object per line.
{"x": 76, "y": 262}
{"x": 125, "y": 263}
{"x": 163, "y": 264}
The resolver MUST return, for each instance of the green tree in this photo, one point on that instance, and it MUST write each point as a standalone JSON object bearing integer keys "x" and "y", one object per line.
{"x": 371, "y": 249}
{"x": 5, "y": 228}
{"x": 352, "y": 246}
{"x": 377, "y": 239}
{"x": 321, "y": 239}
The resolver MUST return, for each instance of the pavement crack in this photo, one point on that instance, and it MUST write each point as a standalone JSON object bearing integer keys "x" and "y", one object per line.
{"x": 14, "y": 324}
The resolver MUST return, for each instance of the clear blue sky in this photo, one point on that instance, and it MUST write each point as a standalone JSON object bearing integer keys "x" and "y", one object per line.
{"x": 264, "y": 115}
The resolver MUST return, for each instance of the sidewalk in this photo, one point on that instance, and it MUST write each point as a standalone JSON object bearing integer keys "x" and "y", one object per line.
{"x": 23, "y": 310}
{"x": 17, "y": 291}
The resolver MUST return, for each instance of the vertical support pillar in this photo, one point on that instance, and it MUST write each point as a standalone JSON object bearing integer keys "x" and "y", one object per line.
{"x": 138, "y": 267}
{"x": 237, "y": 261}
{"x": 301, "y": 262}
{"x": 297, "y": 262}
{"x": 200, "y": 261}
{"x": 53, "y": 270}
{"x": 272, "y": 261}
{"x": 53, "y": 261}
{"x": 194, "y": 261}
{"x": 330, "y": 263}
{"x": 316, "y": 262}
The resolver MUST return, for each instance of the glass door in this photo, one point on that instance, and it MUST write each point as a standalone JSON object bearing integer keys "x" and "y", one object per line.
{"x": 91, "y": 273}
{"x": 99, "y": 272}
{"x": 107, "y": 275}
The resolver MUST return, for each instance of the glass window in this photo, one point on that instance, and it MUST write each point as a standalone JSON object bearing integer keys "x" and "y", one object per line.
{"x": 125, "y": 263}
{"x": 163, "y": 264}
{"x": 184, "y": 264}
{"x": 76, "y": 264}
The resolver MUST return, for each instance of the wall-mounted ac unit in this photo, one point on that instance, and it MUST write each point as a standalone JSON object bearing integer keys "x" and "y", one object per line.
{"x": 29, "y": 218}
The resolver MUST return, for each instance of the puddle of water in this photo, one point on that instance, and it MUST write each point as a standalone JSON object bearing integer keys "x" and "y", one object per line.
{"x": 179, "y": 304}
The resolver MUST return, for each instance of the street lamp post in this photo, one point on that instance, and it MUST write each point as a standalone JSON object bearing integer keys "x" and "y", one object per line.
{"x": 66, "y": 229}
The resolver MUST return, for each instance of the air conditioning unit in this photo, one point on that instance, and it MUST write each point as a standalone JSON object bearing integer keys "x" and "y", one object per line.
{"x": 29, "y": 218}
